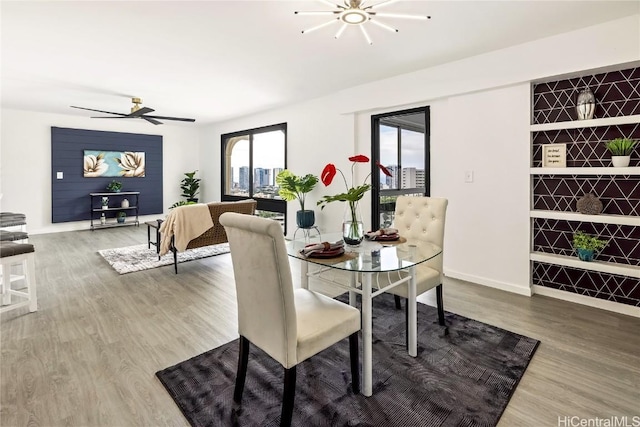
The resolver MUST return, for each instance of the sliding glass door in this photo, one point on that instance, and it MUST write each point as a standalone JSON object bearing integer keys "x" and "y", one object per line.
{"x": 400, "y": 141}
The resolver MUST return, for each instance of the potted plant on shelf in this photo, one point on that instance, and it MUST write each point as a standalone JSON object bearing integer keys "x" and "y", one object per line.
{"x": 296, "y": 187}
{"x": 587, "y": 245}
{"x": 620, "y": 149}
{"x": 114, "y": 186}
{"x": 121, "y": 216}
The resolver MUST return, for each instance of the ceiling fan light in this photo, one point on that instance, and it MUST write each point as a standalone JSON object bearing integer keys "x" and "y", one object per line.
{"x": 354, "y": 16}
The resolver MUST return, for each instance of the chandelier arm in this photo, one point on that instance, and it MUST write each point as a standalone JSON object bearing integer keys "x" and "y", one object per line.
{"x": 400, "y": 15}
{"x": 330, "y": 3}
{"x": 385, "y": 26}
{"x": 317, "y": 27}
{"x": 316, "y": 12}
{"x": 365, "y": 34}
{"x": 341, "y": 30}
{"x": 381, "y": 4}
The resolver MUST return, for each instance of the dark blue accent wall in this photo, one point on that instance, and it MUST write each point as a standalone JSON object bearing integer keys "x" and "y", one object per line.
{"x": 70, "y": 195}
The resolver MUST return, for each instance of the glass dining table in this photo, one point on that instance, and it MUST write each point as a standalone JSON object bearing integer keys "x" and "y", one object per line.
{"x": 364, "y": 262}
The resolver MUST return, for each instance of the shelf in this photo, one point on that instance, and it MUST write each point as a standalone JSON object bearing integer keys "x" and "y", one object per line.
{"x": 113, "y": 193}
{"x": 577, "y": 124}
{"x": 115, "y": 224}
{"x": 585, "y": 171}
{"x": 113, "y": 209}
{"x": 577, "y": 216}
{"x": 575, "y": 262}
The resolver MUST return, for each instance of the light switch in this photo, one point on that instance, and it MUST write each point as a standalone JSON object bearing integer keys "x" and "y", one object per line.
{"x": 59, "y": 175}
{"x": 468, "y": 176}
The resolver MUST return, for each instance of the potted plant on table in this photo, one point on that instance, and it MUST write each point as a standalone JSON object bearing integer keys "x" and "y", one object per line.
{"x": 620, "y": 149}
{"x": 587, "y": 245}
{"x": 296, "y": 187}
{"x": 114, "y": 186}
{"x": 352, "y": 227}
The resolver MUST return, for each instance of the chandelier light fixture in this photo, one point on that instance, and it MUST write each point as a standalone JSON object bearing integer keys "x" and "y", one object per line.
{"x": 357, "y": 13}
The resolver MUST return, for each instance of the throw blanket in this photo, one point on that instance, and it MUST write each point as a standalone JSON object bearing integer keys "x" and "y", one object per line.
{"x": 185, "y": 223}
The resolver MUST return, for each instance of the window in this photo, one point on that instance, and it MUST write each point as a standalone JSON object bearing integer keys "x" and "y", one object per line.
{"x": 251, "y": 159}
{"x": 400, "y": 141}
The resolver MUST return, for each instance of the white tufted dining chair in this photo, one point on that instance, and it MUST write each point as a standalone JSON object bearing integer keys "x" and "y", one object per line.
{"x": 289, "y": 325}
{"x": 420, "y": 219}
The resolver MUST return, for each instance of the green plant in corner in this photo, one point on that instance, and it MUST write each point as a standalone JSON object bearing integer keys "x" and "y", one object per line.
{"x": 181, "y": 203}
{"x": 190, "y": 186}
{"x": 295, "y": 187}
{"x": 620, "y": 146}
{"x": 114, "y": 186}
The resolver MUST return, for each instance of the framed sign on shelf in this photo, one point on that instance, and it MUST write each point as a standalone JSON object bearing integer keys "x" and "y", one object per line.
{"x": 554, "y": 156}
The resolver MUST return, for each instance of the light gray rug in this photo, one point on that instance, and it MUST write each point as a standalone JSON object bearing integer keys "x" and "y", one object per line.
{"x": 140, "y": 257}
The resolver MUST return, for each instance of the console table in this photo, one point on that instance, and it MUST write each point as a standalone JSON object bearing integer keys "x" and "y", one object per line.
{"x": 114, "y": 206}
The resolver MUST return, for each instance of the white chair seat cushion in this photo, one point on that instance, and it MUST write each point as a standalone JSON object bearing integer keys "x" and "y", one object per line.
{"x": 427, "y": 278}
{"x": 321, "y": 322}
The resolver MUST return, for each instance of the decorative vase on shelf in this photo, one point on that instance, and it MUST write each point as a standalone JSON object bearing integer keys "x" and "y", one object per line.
{"x": 585, "y": 254}
{"x": 105, "y": 203}
{"x": 620, "y": 161}
{"x": 586, "y": 104}
{"x": 124, "y": 203}
{"x": 589, "y": 205}
{"x": 352, "y": 226}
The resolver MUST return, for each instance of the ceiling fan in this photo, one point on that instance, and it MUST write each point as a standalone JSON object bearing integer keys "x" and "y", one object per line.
{"x": 137, "y": 112}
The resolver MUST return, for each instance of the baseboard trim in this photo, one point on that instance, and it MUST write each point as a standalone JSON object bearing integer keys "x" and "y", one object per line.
{"x": 503, "y": 286}
{"x": 586, "y": 300}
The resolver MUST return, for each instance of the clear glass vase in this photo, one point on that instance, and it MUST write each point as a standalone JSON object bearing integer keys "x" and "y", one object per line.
{"x": 352, "y": 226}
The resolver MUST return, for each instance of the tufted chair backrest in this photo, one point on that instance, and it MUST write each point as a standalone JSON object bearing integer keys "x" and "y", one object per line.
{"x": 422, "y": 219}
{"x": 264, "y": 287}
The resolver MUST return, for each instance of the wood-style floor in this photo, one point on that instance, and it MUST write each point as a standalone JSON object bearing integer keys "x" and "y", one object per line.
{"x": 88, "y": 356}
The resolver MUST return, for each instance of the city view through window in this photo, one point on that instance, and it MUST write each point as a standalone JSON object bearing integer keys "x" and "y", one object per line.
{"x": 254, "y": 160}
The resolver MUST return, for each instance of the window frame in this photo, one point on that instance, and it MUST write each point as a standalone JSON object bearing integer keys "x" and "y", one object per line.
{"x": 265, "y": 204}
{"x": 375, "y": 158}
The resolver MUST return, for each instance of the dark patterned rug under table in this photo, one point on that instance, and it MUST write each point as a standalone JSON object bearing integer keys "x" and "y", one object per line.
{"x": 463, "y": 378}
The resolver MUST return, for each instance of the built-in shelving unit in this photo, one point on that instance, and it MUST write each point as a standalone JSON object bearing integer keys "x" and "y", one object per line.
{"x": 614, "y": 274}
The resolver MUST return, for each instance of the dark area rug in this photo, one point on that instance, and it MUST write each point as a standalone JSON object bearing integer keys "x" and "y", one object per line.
{"x": 463, "y": 378}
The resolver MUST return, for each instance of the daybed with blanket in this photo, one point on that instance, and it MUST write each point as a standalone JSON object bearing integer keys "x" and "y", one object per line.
{"x": 195, "y": 226}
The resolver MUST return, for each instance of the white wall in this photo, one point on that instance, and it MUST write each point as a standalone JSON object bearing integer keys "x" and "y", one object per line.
{"x": 479, "y": 119}
{"x": 480, "y": 113}
{"x": 25, "y": 161}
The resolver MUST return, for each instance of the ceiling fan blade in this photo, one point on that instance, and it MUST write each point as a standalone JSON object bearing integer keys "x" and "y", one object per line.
{"x": 141, "y": 111}
{"x": 170, "y": 118}
{"x": 99, "y": 111}
{"x": 111, "y": 117}
{"x": 150, "y": 120}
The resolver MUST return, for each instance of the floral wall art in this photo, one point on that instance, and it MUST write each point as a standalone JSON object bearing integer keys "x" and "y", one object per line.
{"x": 127, "y": 164}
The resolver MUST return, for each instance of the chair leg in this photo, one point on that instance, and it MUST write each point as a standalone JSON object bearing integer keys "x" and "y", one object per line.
{"x": 288, "y": 396}
{"x": 355, "y": 363}
{"x": 396, "y": 298}
{"x": 243, "y": 359}
{"x": 440, "y": 304}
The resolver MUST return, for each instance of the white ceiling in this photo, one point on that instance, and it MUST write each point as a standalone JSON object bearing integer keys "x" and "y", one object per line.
{"x": 215, "y": 60}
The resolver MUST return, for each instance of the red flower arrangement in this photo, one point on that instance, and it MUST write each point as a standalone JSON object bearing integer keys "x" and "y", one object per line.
{"x": 353, "y": 194}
